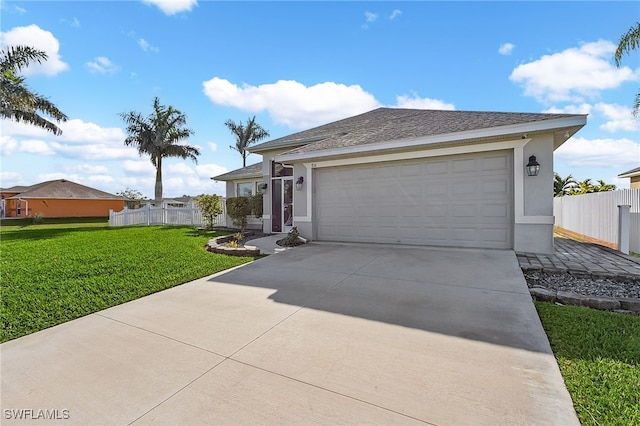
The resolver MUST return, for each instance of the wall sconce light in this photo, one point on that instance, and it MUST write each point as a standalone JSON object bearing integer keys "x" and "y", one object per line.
{"x": 299, "y": 183}
{"x": 262, "y": 188}
{"x": 533, "y": 167}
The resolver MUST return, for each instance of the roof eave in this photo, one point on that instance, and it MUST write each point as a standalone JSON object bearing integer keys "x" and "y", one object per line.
{"x": 574, "y": 121}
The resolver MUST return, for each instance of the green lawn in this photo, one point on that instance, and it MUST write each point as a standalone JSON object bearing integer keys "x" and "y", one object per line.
{"x": 53, "y": 273}
{"x": 599, "y": 356}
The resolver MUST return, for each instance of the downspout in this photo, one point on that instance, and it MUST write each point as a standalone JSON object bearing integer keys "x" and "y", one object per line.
{"x": 26, "y": 207}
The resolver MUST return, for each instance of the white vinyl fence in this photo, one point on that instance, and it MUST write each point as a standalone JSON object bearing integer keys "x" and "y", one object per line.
{"x": 596, "y": 215}
{"x": 163, "y": 215}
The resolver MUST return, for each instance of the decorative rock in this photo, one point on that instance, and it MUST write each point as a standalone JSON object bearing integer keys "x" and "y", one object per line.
{"x": 569, "y": 298}
{"x": 543, "y": 294}
{"x": 631, "y": 305}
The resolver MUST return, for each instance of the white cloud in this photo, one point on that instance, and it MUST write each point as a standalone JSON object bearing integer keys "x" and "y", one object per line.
{"x": 573, "y": 74}
{"x": 40, "y": 39}
{"x": 210, "y": 170}
{"x": 506, "y": 49}
{"x": 404, "y": 101}
{"x": 213, "y": 146}
{"x": 291, "y": 103}
{"x": 607, "y": 153}
{"x": 144, "y": 44}
{"x": 179, "y": 168}
{"x": 9, "y": 179}
{"x": 43, "y": 177}
{"x": 73, "y": 131}
{"x": 571, "y": 109}
{"x": 395, "y": 14}
{"x": 34, "y": 146}
{"x": 139, "y": 167}
{"x": 88, "y": 169}
{"x": 74, "y": 23}
{"x": 100, "y": 179}
{"x": 94, "y": 151}
{"x": 171, "y": 7}
{"x": 619, "y": 117}
{"x": 102, "y": 65}
{"x": 370, "y": 16}
{"x": 8, "y": 145}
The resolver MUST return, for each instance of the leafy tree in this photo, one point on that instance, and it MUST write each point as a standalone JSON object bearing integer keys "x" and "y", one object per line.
{"x": 17, "y": 102}
{"x": 210, "y": 207}
{"x": 628, "y": 42}
{"x": 246, "y": 134}
{"x": 562, "y": 186}
{"x": 133, "y": 195}
{"x": 157, "y": 135}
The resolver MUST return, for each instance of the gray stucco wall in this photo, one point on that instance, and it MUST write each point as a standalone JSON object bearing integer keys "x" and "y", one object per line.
{"x": 538, "y": 200}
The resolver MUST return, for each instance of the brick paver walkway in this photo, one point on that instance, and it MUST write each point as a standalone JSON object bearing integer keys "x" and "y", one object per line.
{"x": 582, "y": 258}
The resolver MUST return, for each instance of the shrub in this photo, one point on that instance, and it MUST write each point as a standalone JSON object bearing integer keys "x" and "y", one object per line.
{"x": 38, "y": 217}
{"x": 238, "y": 208}
{"x": 210, "y": 207}
{"x": 255, "y": 202}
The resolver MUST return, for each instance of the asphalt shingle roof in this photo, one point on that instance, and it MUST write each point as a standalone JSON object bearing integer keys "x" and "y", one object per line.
{"x": 61, "y": 189}
{"x": 632, "y": 171}
{"x": 252, "y": 171}
{"x": 388, "y": 124}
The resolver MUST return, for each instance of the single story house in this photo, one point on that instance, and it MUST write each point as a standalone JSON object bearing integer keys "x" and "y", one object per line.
{"x": 58, "y": 198}
{"x": 415, "y": 177}
{"x": 634, "y": 176}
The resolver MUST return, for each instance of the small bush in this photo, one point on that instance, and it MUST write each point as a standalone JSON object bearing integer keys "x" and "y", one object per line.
{"x": 38, "y": 217}
{"x": 238, "y": 208}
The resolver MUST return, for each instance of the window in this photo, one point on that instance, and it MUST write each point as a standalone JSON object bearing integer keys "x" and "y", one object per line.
{"x": 280, "y": 170}
{"x": 246, "y": 189}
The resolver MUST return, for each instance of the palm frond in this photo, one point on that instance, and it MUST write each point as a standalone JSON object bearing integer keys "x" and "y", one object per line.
{"x": 628, "y": 42}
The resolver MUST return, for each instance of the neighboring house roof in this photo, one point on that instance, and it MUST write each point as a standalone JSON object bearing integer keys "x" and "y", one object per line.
{"x": 630, "y": 173}
{"x": 61, "y": 189}
{"x": 395, "y": 124}
{"x": 249, "y": 172}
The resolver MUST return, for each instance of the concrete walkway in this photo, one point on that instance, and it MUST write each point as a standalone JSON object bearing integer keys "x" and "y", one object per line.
{"x": 320, "y": 334}
{"x": 582, "y": 258}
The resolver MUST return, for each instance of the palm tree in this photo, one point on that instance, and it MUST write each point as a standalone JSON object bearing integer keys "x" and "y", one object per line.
{"x": 17, "y": 102}
{"x": 604, "y": 187}
{"x": 246, "y": 135}
{"x": 157, "y": 136}
{"x": 583, "y": 187}
{"x": 562, "y": 186}
{"x": 628, "y": 42}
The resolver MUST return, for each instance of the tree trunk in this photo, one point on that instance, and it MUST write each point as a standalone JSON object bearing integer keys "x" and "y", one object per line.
{"x": 158, "y": 189}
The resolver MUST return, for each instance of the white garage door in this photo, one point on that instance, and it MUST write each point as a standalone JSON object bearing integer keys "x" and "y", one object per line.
{"x": 459, "y": 201}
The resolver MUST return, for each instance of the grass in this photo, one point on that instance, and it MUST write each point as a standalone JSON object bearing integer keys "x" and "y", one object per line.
{"x": 634, "y": 254}
{"x": 599, "y": 356}
{"x": 56, "y": 272}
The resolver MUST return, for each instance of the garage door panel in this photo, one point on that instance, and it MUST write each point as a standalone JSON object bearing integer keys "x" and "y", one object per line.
{"x": 463, "y": 201}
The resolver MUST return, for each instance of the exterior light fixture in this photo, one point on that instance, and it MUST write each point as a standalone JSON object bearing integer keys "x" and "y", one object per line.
{"x": 299, "y": 183}
{"x": 533, "y": 167}
{"x": 262, "y": 188}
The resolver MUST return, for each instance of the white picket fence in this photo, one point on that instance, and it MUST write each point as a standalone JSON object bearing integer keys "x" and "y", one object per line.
{"x": 163, "y": 215}
{"x": 596, "y": 215}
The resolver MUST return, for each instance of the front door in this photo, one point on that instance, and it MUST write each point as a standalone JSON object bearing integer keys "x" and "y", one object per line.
{"x": 287, "y": 204}
{"x": 281, "y": 198}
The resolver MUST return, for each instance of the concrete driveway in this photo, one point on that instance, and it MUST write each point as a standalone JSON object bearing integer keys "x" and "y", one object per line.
{"x": 324, "y": 333}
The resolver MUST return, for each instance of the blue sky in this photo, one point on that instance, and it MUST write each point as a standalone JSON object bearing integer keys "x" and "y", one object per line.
{"x": 296, "y": 65}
